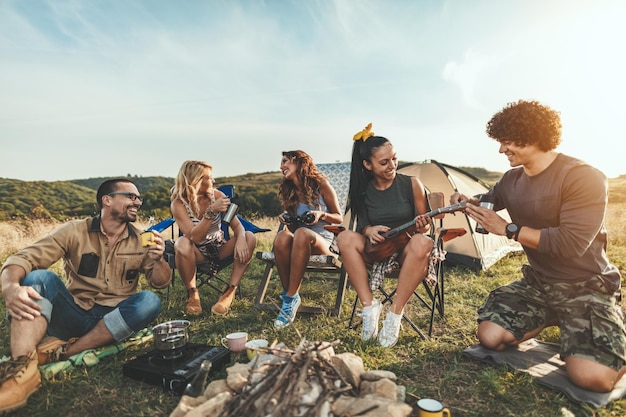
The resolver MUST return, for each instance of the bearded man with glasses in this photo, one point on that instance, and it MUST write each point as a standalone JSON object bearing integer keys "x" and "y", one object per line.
{"x": 97, "y": 304}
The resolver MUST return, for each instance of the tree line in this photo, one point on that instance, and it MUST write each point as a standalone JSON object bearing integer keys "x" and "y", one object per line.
{"x": 63, "y": 200}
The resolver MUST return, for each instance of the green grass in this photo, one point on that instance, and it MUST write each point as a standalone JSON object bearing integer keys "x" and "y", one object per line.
{"x": 435, "y": 368}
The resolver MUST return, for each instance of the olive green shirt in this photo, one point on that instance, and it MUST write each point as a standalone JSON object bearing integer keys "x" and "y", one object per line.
{"x": 96, "y": 273}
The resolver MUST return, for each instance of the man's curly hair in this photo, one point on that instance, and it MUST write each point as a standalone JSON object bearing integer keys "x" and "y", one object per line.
{"x": 526, "y": 123}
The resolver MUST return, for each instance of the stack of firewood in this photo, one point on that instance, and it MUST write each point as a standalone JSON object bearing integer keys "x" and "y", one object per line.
{"x": 310, "y": 380}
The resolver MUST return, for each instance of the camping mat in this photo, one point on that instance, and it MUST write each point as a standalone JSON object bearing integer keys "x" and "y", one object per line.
{"x": 91, "y": 357}
{"x": 541, "y": 360}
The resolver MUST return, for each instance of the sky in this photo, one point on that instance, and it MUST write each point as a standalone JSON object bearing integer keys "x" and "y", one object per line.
{"x": 106, "y": 88}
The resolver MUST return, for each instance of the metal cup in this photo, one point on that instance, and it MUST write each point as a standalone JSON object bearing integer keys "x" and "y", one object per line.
{"x": 427, "y": 407}
{"x": 230, "y": 213}
{"x": 147, "y": 239}
{"x": 488, "y": 204}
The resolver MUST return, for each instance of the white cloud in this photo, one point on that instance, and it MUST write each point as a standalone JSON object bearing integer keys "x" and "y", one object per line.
{"x": 468, "y": 74}
{"x": 177, "y": 80}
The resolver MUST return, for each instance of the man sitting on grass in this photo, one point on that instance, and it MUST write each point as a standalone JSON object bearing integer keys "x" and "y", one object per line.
{"x": 103, "y": 258}
{"x": 557, "y": 205}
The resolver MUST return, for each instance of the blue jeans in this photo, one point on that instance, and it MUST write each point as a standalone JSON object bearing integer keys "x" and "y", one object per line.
{"x": 66, "y": 319}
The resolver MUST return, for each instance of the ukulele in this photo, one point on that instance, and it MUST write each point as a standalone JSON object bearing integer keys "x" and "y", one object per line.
{"x": 398, "y": 237}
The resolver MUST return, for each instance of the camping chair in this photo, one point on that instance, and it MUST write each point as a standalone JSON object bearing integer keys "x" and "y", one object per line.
{"x": 204, "y": 276}
{"x": 339, "y": 177}
{"x": 432, "y": 294}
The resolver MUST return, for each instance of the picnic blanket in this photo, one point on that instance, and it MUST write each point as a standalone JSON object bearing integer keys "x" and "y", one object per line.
{"x": 542, "y": 361}
{"x": 91, "y": 357}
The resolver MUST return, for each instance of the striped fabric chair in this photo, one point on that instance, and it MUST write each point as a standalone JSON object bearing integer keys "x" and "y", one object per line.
{"x": 339, "y": 176}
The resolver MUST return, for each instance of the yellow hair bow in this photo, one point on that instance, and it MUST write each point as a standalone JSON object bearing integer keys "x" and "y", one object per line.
{"x": 364, "y": 134}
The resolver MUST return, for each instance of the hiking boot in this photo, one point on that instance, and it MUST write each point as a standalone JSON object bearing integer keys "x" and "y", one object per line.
{"x": 391, "y": 329}
{"x": 288, "y": 311}
{"x": 52, "y": 349}
{"x": 222, "y": 305}
{"x": 371, "y": 315}
{"x": 193, "y": 301}
{"x": 19, "y": 379}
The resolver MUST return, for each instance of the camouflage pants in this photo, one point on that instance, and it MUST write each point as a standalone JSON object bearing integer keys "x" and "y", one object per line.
{"x": 590, "y": 320}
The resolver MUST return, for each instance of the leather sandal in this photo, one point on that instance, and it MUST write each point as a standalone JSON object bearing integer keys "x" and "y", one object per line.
{"x": 222, "y": 305}
{"x": 193, "y": 301}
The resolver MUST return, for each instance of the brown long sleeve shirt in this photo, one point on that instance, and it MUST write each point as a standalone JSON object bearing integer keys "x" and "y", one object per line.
{"x": 96, "y": 272}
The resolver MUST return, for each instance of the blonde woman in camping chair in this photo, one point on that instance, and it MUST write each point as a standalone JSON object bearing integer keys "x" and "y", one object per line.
{"x": 197, "y": 208}
{"x": 382, "y": 199}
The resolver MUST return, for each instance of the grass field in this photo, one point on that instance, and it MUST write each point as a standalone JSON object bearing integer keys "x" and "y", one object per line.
{"x": 436, "y": 368}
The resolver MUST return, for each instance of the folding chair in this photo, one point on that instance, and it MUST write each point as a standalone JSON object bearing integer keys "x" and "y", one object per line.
{"x": 339, "y": 177}
{"x": 204, "y": 275}
{"x": 432, "y": 297}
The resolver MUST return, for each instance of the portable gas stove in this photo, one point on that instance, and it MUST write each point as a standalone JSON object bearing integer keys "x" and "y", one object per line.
{"x": 174, "y": 370}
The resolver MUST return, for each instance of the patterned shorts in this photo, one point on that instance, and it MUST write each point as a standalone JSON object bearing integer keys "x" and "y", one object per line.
{"x": 590, "y": 320}
{"x": 379, "y": 269}
{"x": 211, "y": 252}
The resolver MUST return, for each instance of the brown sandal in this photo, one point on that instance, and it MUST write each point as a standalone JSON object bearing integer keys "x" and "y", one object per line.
{"x": 193, "y": 301}
{"x": 222, "y": 305}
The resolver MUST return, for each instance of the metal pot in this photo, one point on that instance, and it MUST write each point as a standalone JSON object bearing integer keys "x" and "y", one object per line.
{"x": 170, "y": 335}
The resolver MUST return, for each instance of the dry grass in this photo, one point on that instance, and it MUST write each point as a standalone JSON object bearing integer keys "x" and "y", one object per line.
{"x": 15, "y": 235}
{"x": 436, "y": 368}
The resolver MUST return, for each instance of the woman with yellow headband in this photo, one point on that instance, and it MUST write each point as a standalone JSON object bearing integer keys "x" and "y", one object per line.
{"x": 383, "y": 199}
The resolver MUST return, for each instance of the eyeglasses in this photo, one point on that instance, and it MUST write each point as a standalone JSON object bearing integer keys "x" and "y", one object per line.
{"x": 132, "y": 196}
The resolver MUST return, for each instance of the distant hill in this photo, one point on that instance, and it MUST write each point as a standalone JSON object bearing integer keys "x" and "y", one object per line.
{"x": 143, "y": 183}
{"x": 41, "y": 199}
{"x": 62, "y": 200}
{"x": 76, "y": 198}
{"x": 490, "y": 177}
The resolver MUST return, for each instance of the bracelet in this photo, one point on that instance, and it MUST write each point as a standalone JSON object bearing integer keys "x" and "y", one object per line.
{"x": 209, "y": 214}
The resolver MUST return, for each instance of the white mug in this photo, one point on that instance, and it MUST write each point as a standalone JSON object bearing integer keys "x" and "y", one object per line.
{"x": 235, "y": 342}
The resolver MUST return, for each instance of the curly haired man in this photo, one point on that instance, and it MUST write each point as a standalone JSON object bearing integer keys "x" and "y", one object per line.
{"x": 557, "y": 205}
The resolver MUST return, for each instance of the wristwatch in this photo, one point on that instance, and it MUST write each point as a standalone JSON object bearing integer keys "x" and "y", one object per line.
{"x": 512, "y": 231}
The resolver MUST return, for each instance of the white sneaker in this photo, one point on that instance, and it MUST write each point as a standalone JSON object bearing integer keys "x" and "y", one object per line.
{"x": 371, "y": 315}
{"x": 388, "y": 335}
